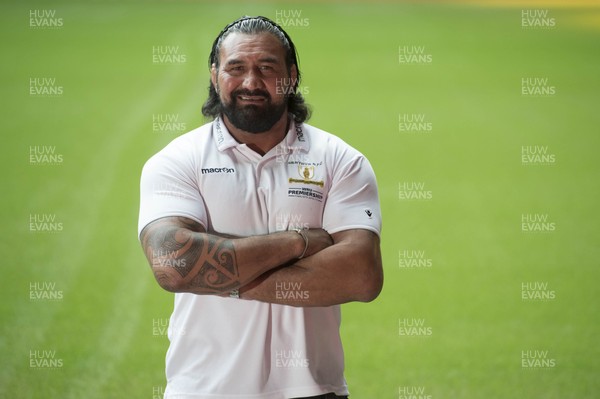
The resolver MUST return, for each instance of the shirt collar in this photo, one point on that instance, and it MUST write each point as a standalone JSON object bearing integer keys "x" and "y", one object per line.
{"x": 295, "y": 139}
{"x": 223, "y": 139}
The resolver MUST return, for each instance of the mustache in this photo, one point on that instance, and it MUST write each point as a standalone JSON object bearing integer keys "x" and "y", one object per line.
{"x": 246, "y": 92}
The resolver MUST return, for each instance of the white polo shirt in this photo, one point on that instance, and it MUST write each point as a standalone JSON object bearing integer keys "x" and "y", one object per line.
{"x": 224, "y": 348}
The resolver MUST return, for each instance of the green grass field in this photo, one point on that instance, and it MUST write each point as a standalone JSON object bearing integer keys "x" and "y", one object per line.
{"x": 81, "y": 315}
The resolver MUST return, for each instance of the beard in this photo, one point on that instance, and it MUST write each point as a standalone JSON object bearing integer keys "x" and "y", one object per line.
{"x": 253, "y": 118}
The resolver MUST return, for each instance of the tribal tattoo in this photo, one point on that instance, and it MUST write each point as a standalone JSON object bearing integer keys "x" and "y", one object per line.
{"x": 204, "y": 263}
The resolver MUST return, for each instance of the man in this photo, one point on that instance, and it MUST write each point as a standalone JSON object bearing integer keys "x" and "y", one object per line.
{"x": 262, "y": 226}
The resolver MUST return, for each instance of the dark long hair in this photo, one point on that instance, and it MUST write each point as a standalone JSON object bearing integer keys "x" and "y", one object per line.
{"x": 254, "y": 25}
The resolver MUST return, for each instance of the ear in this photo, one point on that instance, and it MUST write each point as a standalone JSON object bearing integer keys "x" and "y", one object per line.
{"x": 213, "y": 77}
{"x": 294, "y": 76}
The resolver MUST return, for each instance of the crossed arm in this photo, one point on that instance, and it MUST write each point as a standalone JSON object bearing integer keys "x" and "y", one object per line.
{"x": 335, "y": 269}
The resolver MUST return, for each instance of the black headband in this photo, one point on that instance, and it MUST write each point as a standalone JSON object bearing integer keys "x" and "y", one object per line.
{"x": 213, "y": 51}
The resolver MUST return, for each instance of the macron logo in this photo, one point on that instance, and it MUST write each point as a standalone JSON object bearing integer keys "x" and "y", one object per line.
{"x": 217, "y": 170}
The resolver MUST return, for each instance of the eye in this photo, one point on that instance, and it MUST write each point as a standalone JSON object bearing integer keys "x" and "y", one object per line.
{"x": 235, "y": 70}
{"x": 268, "y": 70}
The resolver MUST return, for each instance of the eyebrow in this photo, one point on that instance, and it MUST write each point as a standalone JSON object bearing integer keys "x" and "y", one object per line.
{"x": 268, "y": 60}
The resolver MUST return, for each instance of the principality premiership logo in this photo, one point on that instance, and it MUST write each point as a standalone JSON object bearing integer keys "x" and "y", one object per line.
{"x": 307, "y": 173}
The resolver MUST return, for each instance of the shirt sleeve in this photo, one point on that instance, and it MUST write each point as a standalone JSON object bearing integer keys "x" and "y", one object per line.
{"x": 168, "y": 187}
{"x": 353, "y": 201}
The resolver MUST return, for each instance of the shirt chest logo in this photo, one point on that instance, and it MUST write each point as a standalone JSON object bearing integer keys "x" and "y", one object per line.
{"x": 206, "y": 171}
{"x": 303, "y": 180}
{"x": 306, "y": 174}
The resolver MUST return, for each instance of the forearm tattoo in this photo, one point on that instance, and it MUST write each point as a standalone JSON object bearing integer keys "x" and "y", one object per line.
{"x": 205, "y": 263}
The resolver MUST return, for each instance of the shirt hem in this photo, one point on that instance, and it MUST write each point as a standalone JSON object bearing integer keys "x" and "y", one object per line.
{"x": 354, "y": 227}
{"x": 170, "y": 214}
{"x": 284, "y": 394}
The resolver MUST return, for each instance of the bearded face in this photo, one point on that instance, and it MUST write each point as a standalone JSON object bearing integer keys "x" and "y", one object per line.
{"x": 253, "y": 111}
{"x": 253, "y": 81}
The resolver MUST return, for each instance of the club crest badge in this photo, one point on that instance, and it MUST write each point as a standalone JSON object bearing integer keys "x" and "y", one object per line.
{"x": 306, "y": 174}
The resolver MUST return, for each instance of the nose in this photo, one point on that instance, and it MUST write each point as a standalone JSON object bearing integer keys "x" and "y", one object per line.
{"x": 253, "y": 80}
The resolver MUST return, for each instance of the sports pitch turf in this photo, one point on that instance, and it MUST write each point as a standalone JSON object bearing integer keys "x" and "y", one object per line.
{"x": 493, "y": 192}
